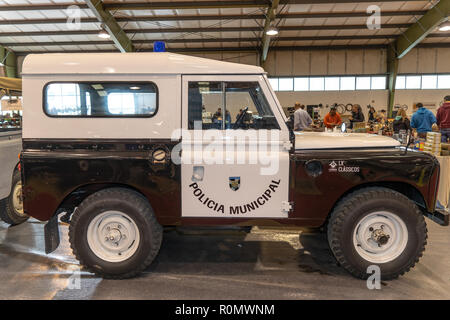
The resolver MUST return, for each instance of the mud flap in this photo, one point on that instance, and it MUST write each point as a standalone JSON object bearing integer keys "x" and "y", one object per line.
{"x": 51, "y": 231}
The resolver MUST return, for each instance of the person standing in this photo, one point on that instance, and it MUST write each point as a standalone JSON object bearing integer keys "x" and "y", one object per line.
{"x": 443, "y": 119}
{"x": 372, "y": 115}
{"x": 401, "y": 122}
{"x": 357, "y": 115}
{"x": 332, "y": 119}
{"x": 422, "y": 120}
{"x": 302, "y": 120}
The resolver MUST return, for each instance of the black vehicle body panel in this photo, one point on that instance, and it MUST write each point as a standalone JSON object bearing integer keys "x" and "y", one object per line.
{"x": 59, "y": 174}
{"x": 414, "y": 174}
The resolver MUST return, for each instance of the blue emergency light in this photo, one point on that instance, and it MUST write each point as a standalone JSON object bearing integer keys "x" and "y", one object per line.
{"x": 159, "y": 46}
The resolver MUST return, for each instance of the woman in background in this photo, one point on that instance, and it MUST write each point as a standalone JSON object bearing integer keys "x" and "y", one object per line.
{"x": 401, "y": 122}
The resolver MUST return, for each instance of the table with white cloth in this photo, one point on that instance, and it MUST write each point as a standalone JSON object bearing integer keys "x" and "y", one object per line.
{"x": 444, "y": 181}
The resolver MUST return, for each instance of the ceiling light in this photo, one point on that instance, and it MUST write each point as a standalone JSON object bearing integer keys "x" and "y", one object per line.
{"x": 272, "y": 31}
{"x": 135, "y": 88}
{"x": 103, "y": 34}
{"x": 445, "y": 26}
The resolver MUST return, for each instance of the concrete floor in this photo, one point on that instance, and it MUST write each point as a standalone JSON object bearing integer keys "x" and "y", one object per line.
{"x": 263, "y": 264}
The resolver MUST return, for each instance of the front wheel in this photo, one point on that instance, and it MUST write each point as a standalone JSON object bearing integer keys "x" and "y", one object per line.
{"x": 377, "y": 226}
{"x": 11, "y": 208}
{"x": 114, "y": 233}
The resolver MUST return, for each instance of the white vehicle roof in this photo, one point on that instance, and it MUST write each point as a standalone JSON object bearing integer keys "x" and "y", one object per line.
{"x": 130, "y": 63}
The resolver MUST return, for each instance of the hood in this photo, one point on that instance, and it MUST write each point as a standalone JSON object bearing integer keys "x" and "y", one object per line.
{"x": 338, "y": 140}
{"x": 446, "y": 105}
{"x": 422, "y": 110}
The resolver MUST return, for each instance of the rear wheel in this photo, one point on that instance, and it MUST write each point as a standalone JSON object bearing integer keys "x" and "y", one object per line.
{"x": 114, "y": 233}
{"x": 11, "y": 208}
{"x": 377, "y": 226}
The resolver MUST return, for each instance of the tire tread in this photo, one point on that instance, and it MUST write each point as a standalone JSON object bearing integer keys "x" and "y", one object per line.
{"x": 144, "y": 208}
{"x": 343, "y": 210}
{"x": 7, "y": 213}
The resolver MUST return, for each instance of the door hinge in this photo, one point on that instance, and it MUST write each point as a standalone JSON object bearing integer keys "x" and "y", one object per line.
{"x": 287, "y": 206}
{"x": 287, "y": 145}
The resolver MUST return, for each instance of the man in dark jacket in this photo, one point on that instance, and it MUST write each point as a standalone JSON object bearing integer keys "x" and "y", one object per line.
{"x": 357, "y": 115}
{"x": 443, "y": 119}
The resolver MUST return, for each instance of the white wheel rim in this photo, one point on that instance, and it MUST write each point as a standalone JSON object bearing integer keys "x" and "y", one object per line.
{"x": 113, "y": 236}
{"x": 380, "y": 237}
{"x": 17, "y": 199}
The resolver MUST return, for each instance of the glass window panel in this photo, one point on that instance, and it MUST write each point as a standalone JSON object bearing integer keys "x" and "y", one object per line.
{"x": 93, "y": 99}
{"x": 378, "y": 83}
{"x": 444, "y": 82}
{"x": 429, "y": 82}
{"x": 274, "y": 83}
{"x": 348, "y": 83}
{"x": 332, "y": 83}
{"x": 285, "y": 84}
{"x": 413, "y": 82}
{"x": 247, "y": 107}
{"x": 205, "y": 105}
{"x": 301, "y": 84}
{"x": 362, "y": 83}
{"x": 316, "y": 84}
{"x": 121, "y": 103}
{"x": 400, "y": 83}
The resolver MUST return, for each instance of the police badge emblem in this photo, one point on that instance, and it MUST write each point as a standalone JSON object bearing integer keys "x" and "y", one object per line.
{"x": 235, "y": 183}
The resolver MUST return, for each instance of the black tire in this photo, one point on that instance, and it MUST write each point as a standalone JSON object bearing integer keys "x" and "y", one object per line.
{"x": 357, "y": 205}
{"x": 7, "y": 211}
{"x": 138, "y": 209}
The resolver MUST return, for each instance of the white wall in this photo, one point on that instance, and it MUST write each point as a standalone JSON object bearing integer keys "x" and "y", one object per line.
{"x": 377, "y": 98}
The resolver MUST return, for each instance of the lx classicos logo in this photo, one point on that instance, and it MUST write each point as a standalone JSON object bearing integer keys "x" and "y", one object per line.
{"x": 340, "y": 166}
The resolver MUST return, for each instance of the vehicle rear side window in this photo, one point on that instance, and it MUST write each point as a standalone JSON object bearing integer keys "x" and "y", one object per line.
{"x": 100, "y": 99}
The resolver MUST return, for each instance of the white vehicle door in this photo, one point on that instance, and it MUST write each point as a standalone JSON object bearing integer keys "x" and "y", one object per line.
{"x": 235, "y": 149}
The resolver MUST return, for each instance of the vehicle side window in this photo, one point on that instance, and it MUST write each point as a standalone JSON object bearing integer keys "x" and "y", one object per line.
{"x": 229, "y": 105}
{"x": 205, "y": 105}
{"x": 101, "y": 99}
{"x": 248, "y": 107}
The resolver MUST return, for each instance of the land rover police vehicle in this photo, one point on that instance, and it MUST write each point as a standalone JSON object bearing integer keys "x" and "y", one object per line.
{"x": 124, "y": 144}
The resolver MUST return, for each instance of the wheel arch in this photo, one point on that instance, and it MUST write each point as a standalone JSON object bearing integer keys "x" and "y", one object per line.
{"x": 404, "y": 188}
{"x": 74, "y": 198}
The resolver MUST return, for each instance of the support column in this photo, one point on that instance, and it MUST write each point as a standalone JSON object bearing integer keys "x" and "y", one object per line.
{"x": 265, "y": 42}
{"x": 9, "y": 60}
{"x": 392, "y": 66}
